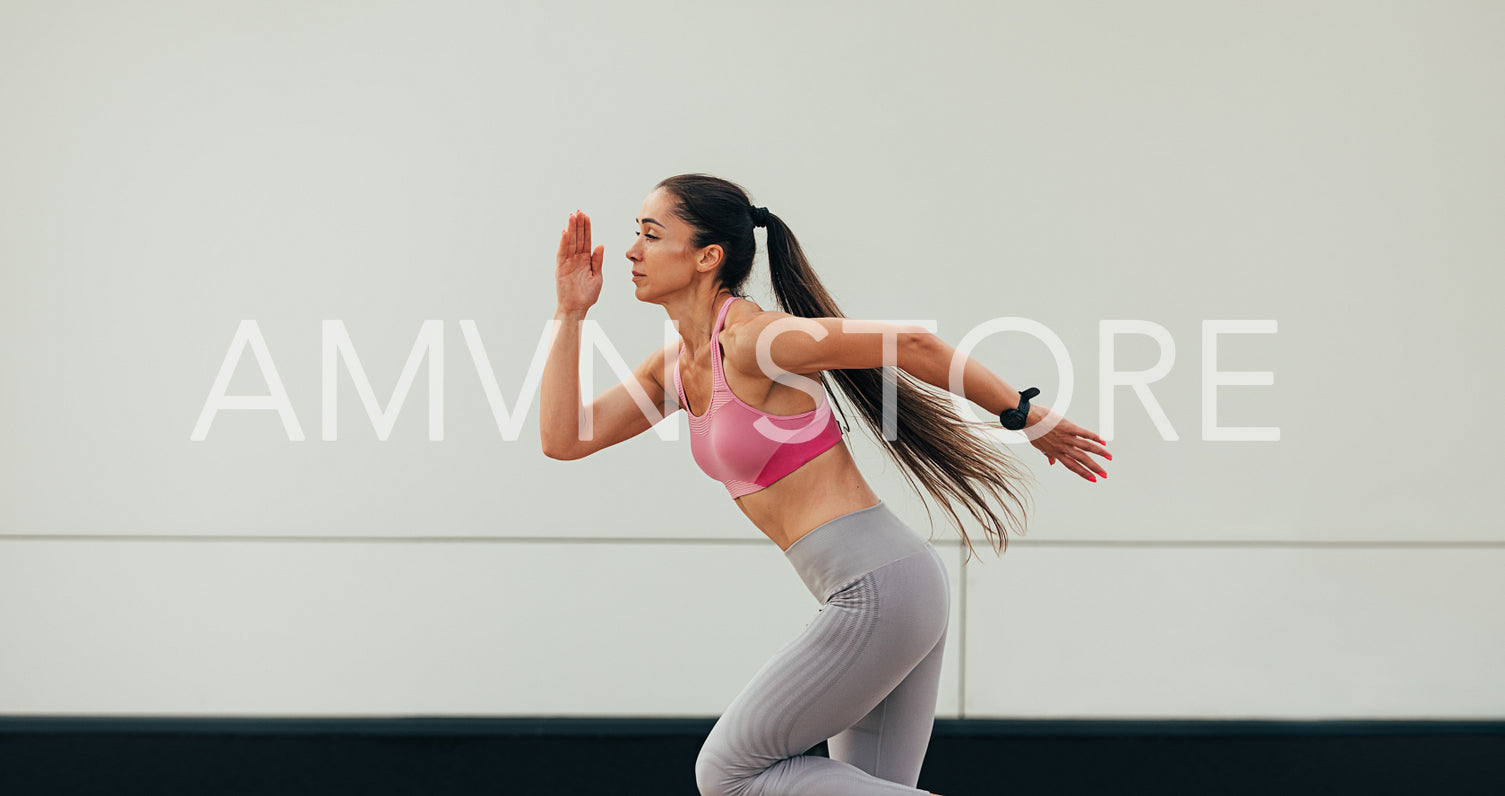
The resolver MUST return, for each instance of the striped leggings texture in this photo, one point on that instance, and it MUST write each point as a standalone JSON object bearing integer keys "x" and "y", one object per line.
{"x": 862, "y": 675}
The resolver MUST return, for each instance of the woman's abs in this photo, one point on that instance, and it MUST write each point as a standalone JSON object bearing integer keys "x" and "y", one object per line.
{"x": 822, "y": 489}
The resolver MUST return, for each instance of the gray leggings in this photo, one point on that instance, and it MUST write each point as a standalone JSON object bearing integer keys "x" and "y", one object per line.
{"x": 862, "y": 675}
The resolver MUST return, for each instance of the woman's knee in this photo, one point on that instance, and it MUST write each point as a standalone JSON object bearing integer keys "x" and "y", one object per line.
{"x": 726, "y": 767}
{"x": 715, "y": 777}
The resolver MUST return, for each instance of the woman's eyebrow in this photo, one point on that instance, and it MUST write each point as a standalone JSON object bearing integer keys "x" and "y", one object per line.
{"x": 650, "y": 221}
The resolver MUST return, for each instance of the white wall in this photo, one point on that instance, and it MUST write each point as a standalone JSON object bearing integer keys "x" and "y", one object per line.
{"x": 171, "y": 170}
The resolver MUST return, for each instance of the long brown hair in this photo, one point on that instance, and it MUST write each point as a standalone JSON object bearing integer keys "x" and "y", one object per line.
{"x": 933, "y": 443}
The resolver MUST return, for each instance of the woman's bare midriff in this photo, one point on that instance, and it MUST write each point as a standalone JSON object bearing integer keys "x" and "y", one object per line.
{"x": 821, "y": 490}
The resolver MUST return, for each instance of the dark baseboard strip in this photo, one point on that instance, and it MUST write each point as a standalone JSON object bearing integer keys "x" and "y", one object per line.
{"x": 464, "y": 756}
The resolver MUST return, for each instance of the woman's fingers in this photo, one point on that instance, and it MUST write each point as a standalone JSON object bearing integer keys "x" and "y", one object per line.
{"x": 575, "y": 240}
{"x": 1087, "y": 441}
{"x": 581, "y": 240}
{"x": 1072, "y": 445}
{"x": 1079, "y": 452}
{"x": 1092, "y": 465}
{"x": 1077, "y": 430}
{"x": 581, "y": 243}
{"x": 1076, "y": 467}
{"x": 1095, "y": 448}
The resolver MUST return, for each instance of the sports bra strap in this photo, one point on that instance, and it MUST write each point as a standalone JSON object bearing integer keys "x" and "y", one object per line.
{"x": 716, "y": 344}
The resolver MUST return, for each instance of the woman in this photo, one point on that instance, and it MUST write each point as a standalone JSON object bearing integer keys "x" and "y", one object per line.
{"x": 864, "y": 672}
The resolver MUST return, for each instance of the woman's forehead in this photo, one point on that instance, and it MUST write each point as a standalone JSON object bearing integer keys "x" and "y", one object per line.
{"x": 657, "y": 209}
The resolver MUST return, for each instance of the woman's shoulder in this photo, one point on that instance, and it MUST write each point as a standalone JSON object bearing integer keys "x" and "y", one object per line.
{"x": 740, "y": 315}
{"x": 741, "y": 311}
{"x": 745, "y": 318}
{"x": 743, "y": 307}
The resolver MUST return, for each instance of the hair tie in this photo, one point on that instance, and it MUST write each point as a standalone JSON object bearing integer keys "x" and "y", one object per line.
{"x": 759, "y": 216}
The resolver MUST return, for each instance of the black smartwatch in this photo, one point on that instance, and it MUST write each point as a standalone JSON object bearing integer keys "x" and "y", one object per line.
{"x": 1014, "y": 419}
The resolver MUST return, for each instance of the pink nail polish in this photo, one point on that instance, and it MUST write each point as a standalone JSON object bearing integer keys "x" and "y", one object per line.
{"x": 1094, "y": 480}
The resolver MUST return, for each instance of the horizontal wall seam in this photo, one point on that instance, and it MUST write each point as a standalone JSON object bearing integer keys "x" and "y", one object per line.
{"x": 168, "y": 537}
{"x": 1019, "y": 542}
{"x": 688, "y": 725}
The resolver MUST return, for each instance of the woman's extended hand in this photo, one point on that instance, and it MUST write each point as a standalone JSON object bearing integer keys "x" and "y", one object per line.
{"x": 578, "y": 275}
{"x": 1068, "y": 442}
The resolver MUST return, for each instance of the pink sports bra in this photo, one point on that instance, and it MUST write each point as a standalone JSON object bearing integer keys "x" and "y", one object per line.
{"x": 747, "y": 449}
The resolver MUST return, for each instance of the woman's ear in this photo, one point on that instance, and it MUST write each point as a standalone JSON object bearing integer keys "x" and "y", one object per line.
{"x": 710, "y": 257}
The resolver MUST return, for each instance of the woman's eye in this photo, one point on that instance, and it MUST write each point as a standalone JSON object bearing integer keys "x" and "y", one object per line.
{"x": 650, "y": 237}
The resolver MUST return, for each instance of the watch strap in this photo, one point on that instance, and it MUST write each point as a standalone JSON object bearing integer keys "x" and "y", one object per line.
{"x": 1015, "y": 419}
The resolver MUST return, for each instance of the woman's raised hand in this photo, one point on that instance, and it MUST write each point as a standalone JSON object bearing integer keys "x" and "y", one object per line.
{"x": 1067, "y": 441}
{"x": 578, "y": 276}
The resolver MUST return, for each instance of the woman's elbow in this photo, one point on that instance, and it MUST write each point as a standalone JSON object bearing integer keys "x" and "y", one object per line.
{"x": 554, "y": 450}
{"x": 918, "y": 348}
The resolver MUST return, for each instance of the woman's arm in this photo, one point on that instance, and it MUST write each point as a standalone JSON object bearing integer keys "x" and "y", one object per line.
{"x": 622, "y": 412}
{"x": 771, "y": 341}
{"x": 566, "y": 429}
{"x": 560, "y": 415}
{"x": 577, "y": 281}
{"x": 930, "y": 359}
{"x": 806, "y": 345}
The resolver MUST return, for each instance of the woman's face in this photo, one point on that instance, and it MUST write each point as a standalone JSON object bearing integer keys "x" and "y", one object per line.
{"x": 661, "y": 254}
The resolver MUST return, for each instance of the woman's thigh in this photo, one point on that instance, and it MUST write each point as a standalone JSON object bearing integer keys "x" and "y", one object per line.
{"x": 864, "y": 641}
{"x": 891, "y": 740}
